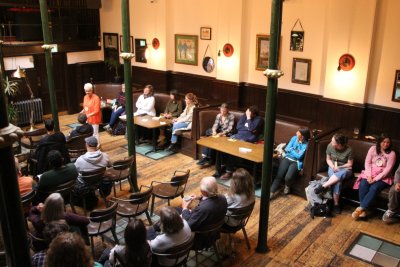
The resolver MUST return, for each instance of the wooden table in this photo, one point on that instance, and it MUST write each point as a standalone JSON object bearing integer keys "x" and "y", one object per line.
{"x": 152, "y": 123}
{"x": 236, "y": 148}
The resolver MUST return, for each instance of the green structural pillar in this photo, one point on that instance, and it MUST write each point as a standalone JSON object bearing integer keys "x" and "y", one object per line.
{"x": 127, "y": 57}
{"x": 49, "y": 62}
{"x": 269, "y": 129}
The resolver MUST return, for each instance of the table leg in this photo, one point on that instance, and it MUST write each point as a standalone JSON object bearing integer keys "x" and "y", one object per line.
{"x": 255, "y": 180}
{"x": 153, "y": 141}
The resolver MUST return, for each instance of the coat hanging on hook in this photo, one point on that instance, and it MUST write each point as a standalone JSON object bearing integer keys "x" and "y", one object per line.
{"x": 297, "y": 37}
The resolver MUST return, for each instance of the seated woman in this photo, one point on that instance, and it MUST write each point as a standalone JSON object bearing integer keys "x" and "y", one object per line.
{"x": 223, "y": 126}
{"x": 174, "y": 231}
{"x": 53, "y": 210}
{"x": 340, "y": 161}
{"x": 172, "y": 110}
{"x": 136, "y": 251}
{"x": 249, "y": 129}
{"x": 241, "y": 192}
{"x": 377, "y": 175}
{"x": 292, "y": 162}
{"x": 117, "y": 110}
{"x": 146, "y": 101}
{"x": 83, "y": 129}
{"x": 184, "y": 121}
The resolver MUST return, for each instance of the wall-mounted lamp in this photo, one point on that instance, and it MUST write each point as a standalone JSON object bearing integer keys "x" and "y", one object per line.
{"x": 346, "y": 62}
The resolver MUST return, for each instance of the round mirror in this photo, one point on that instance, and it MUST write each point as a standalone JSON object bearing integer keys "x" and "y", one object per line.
{"x": 208, "y": 64}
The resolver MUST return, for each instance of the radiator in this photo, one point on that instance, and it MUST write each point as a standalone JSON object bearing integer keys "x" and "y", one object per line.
{"x": 24, "y": 107}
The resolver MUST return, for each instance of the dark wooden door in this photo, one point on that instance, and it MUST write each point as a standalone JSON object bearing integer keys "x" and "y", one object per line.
{"x": 60, "y": 74}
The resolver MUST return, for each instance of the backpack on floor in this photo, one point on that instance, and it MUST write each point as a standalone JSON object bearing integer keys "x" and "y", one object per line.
{"x": 320, "y": 204}
{"x": 119, "y": 129}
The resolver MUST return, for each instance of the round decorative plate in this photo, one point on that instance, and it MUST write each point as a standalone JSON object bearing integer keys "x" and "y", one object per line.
{"x": 347, "y": 62}
{"x": 155, "y": 43}
{"x": 228, "y": 50}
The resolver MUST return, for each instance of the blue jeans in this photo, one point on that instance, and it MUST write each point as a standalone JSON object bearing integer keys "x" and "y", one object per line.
{"x": 341, "y": 174}
{"x": 367, "y": 192}
{"x": 115, "y": 115}
{"x": 177, "y": 125}
{"x": 288, "y": 170}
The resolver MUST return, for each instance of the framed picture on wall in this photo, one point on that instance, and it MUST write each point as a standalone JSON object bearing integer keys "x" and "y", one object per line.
{"x": 186, "y": 49}
{"x": 262, "y": 51}
{"x": 205, "y": 33}
{"x": 132, "y": 50}
{"x": 301, "y": 71}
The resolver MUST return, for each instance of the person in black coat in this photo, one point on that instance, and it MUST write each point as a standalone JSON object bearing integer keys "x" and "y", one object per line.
{"x": 83, "y": 129}
{"x": 210, "y": 210}
{"x": 52, "y": 141}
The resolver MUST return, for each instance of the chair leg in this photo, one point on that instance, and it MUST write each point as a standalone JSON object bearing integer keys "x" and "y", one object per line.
{"x": 246, "y": 238}
{"x": 115, "y": 235}
{"x": 92, "y": 245}
{"x": 115, "y": 191}
{"x": 168, "y": 202}
{"x": 152, "y": 204}
{"x": 148, "y": 217}
{"x": 216, "y": 252}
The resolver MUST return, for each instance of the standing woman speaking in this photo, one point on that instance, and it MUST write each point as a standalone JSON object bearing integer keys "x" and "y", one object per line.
{"x": 91, "y": 107}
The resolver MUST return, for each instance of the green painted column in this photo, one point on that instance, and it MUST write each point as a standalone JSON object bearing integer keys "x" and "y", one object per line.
{"x": 127, "y": 57}
{"x": 49, "y": 62}
{"x": 269, "y": 128}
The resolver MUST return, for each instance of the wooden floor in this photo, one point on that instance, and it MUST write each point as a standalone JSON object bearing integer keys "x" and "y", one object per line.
{"x": 294, "y": 239}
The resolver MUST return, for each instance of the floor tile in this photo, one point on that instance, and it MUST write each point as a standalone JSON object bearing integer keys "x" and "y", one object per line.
{"x": 370, "y": 242}
{"x": 390, "y": 249}
{"x": 385, "y": 260}
{"x": 363, "y": 253}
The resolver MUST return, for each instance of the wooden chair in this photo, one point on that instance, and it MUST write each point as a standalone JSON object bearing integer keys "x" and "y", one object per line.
{"x": 136, "y": 204}
{"x": 93, "y": 180}
{"x": 120, "y": 170}
{"x": 170, "y": 190}
{"x": 65, "y": 190}
{"x": 209, "y": 233}
{"x": 31, "y": 139}
{"x": 102, "y": 221}
{"x": 26, "y": 201}
{"x": 76, "y": 146}
{"x": 177, "y": 254}
{"x": 239, "y": 217}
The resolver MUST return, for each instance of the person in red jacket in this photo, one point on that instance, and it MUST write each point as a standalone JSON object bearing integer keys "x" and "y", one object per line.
{"x": 91, "y": 107}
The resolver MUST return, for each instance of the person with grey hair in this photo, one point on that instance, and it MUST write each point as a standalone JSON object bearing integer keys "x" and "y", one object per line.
{"x": 211, "y": 209}
{"x": 91, "y": 107}
{"x": 53, "y": 210}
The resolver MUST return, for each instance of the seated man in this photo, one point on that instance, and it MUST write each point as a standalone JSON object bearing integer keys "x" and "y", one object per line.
{"x": 394, "y": 200}
{"x": 249, "y": 128}
{"x": 83, "y": 129}
{"x": 210, "y": 210}
{"x": 92, "y": 160}
{"x": 52, "y": 141}
{"x": 60, "y": 174}
{"x": 25, "y": 183}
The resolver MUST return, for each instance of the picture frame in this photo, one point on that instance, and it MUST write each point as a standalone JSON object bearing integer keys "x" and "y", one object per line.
{"x": 262, "y": 51}
{"x": 131, "y": 44}
{"x": 205, "y": 33}
{"x": 301, "y": 71}
{"x": 110, "y": 41}
{"x": 186, "y": 49}
{"x": 396, "y": 87}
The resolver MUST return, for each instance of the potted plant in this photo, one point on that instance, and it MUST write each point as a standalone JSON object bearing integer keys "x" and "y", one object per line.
{"x": 11, "y": 88}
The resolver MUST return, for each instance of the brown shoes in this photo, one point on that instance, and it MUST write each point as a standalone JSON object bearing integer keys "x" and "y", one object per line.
{"x": 359, "y": 213}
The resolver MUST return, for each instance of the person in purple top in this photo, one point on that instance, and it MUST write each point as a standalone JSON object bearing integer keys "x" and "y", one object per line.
{"x": 117, "y": 110}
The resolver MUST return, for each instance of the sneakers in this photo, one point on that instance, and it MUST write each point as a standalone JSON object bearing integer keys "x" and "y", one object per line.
{"x": 107, "y": 127}
{"x": 359, "y": 213}
{"x": 172, "y": 147}
{"x": 337, "y": 209}
{"x": 388, "y": 216}
{"x": 320, "y": 189}
{"x": 286, "y": 190}
{"x": 272, "y": 195}
{"x": 202, "y": 161}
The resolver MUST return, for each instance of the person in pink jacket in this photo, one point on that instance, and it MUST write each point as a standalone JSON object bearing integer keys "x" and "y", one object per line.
{"x": 377, "y": 175}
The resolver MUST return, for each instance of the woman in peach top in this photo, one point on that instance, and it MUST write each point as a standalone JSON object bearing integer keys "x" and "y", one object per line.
{"x": 91, "y": 107}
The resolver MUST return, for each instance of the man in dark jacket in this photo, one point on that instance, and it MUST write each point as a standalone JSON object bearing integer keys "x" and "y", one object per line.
{"x": 210, "y": 210}
{"x": 83, "y": 129}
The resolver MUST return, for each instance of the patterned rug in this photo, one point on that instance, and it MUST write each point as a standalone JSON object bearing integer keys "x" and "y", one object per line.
{"x": 227, "y": 183}
{"x": 143, "y": 149}
{"x": 375, "y": 251}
